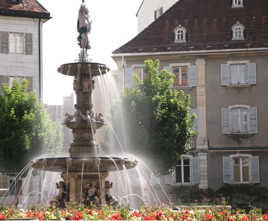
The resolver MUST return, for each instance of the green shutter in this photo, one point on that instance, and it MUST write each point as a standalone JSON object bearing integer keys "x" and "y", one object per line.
{"x": 4, "y": 42}
{"x": 195, "y": 170}
{"x": 225, "y": 75}
{"x": 28, "y": 43}
{"x": 255, "y": 169}
{"x": 225, "y": 122}
{"x": 253, "y": 120}
{"x": 227, "y": 170}
{"x": 129, "y": 80}
{"x": 252, "y": 73}
{"x": 192, "y": 76}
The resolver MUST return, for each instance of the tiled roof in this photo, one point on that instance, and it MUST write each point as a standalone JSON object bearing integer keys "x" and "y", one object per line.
{"x": 25, "y": 8}
{"x": 209, "y": 27}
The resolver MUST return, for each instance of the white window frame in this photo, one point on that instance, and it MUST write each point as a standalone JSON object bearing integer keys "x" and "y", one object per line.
{"x": 238, "y": 31}
{"x": 180, "y": 38}
{"x": 240, "y": 156}
{"x": 172, "y": 65}
{"x": 231, "y": 120}
{"x": 183, "y": 157}
{"x": 16, "y": 48}
{"x": 244, "y": 62}
{"x": 238, "y": 4}
{"x": 141, "y": 66}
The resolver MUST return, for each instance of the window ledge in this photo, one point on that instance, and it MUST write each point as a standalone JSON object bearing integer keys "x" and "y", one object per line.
{"x": 180, "y": 41}
{"x": 238, "y": 85}
{"x": 183, "y": 184}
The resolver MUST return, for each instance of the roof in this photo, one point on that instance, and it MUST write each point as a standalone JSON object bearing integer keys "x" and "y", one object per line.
{"x": 209, "y": 27}
{"x": 25, "y": 8}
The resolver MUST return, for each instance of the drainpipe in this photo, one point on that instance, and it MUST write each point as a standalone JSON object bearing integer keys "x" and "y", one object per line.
{"x": 39, "y": 60}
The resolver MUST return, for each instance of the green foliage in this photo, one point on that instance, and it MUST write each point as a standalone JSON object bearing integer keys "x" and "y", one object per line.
{"x": 25, "y": 128}
{"x": 158, "y": 117}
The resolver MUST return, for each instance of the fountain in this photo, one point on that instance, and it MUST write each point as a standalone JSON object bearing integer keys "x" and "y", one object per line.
{"x": 85, "y": 165}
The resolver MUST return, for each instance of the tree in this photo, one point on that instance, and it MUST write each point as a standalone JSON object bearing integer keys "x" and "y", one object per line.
{"x": 158, "y": 118}
{"x": 25, "y": 128}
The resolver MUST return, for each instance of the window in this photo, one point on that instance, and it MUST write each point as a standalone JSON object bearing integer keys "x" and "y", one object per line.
{"x": 139, "y": 70}
{"x": 238, "y": 31}
{"x": 238, "y": 74}
{"x": 181, "y": 73}
{"x": 158, "y": 13}
{"x": 12, "y": 79}
{"x": 183, "y": 169}
{"x": 180, "y": 34}
{"x": 241, "y": 169}
{"x": 238, "y": 4}
{"x": 16, "y": 43}
{"x": 239, "y": 119}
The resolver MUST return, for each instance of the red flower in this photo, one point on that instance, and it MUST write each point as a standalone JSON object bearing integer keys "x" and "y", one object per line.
{"x": 116, "y": 216}
{"x": 135, "y": 214}
{"x": 208, "y": 216}
{"x": 159, "y": 215}
{"x": 2, "y": 217}
{"x": 244, "y": 218}
{"x": 265, "y": 217}
{"x": 149, "y": 218}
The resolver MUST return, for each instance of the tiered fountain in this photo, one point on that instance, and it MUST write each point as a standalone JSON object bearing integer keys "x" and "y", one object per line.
{"x": 84, "y": 164}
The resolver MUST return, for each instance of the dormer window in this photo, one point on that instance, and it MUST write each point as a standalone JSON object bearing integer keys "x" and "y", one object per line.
{"x": 180, "y": 34}
{"x": 158, "y": 12}
{"x": 13, "y": 1}
{"x": 238, "y": 31}
{"x": 237, "y": 4}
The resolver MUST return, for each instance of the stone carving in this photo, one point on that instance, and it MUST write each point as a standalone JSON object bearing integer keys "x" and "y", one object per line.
{"x": 83, "y": 27}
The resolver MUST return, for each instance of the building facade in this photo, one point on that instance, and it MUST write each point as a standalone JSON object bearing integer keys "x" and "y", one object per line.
{"x": 21, "y": 25}
{"x": 149, "y": 11}
{"x": 219, "y": 54}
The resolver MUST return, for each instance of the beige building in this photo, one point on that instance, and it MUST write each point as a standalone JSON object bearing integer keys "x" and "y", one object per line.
{"x": 219, "y": 54}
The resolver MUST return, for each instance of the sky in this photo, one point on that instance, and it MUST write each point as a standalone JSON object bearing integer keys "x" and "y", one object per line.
{"x": 114, "y": 23}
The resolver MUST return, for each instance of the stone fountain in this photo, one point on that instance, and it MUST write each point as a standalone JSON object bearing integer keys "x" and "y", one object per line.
{"x": 84, "y": 164}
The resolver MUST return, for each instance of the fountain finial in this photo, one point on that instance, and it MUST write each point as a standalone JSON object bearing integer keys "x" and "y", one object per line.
{"x": 83, "y": 28}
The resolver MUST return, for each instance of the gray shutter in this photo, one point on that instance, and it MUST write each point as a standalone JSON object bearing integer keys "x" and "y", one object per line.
{"x": 4, "y": 42}
{"x": 28, "y": 43}
{"x": 128, "y": 78}
{"x": 255, "y": 169}
{"x": 169, "y": 179}
{"x": 30, "y": 83}
{"x": 227, "y": 171}
{"x": 192, "y": 76}
{"x": 253, "y": 120}
{"x": 195, "y": 170}
{"x": 252, "y": 70}
{"x": 225, "y": 75}
{"x": 194, "y": 111}
{"x": 225, "y": 122}
{"x": 3, "y": 80}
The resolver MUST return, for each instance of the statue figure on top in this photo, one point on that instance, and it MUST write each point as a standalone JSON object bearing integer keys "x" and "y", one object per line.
{"x": 83, "y": 27}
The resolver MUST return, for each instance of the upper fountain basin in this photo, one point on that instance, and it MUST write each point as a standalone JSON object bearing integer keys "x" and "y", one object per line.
{"x": 84, "y": 68}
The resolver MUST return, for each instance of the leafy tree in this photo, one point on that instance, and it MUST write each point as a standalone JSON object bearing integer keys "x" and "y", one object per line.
{"x": 25, "y": 128}
{"x": 158, "y": 118}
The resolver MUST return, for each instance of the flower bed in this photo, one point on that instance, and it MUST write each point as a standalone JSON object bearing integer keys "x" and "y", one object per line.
{"x": 144, "y": 213}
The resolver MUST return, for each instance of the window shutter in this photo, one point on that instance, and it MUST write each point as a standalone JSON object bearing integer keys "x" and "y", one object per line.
{"x": 170, "y": 70}
{"x": 253, "y": 120}
{"x": 252, "y": 70}
{"x": 225, "y": 75}
{"x": 30, "y": 83}
{"x": 227, "y": 170}
{"x": 169, "y": 179}
{"x": 225, "y": 123}
{"x": 195, "y": 170}
{"x": 128, "y": 78}
{"x": 194, "y": 111}
{"x": 4, "y": 42}
{"x": 255, "y": 169}
{"x": 192, "y": 76}
{"x": 28, "y": 43}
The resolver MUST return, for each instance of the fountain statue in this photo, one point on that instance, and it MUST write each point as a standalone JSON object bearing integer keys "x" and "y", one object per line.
{"x": 85, "y": 168}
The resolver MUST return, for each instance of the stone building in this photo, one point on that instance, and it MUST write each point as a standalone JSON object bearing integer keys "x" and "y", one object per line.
{"x": 21, "y": 25}
{"x": 219, "y": 53}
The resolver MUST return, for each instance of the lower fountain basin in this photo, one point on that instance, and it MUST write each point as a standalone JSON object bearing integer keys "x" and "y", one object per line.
{"x": 94, "y": 164}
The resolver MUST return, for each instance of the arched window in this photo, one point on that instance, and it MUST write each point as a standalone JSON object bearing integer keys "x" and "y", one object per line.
{"x": 238, "y": 4}
{"x": 180, "y": 34}
{"x": 238, "y": 31}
